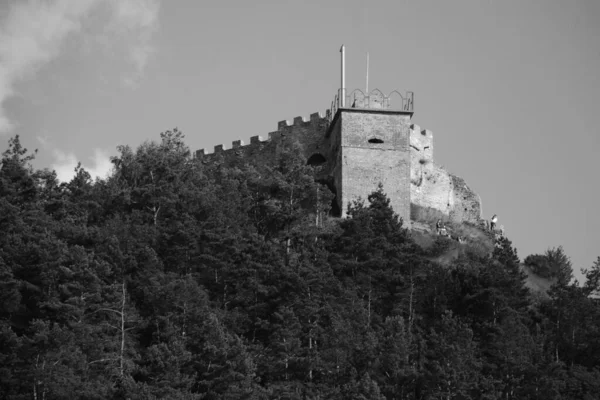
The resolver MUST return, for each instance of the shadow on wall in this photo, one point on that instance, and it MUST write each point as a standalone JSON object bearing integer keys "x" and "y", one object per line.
{"x": 335, "y": 210}
{"x": 426, "y": 214}
{"x": 317, "y": 160}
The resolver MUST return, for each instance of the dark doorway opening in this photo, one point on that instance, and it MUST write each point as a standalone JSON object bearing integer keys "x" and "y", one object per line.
{"x": 316, "y": 159}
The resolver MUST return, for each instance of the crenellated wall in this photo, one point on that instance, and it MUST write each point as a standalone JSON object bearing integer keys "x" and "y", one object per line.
{"x": 352, "y": 166}
{"x": 309, "y": 133}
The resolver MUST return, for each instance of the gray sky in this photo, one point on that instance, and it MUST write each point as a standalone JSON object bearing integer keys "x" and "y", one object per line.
{"x": 509, "y": 88}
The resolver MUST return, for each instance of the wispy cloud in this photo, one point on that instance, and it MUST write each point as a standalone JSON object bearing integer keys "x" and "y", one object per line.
{"x": 134, "y": 21}
{"x": 65, "y": 163}
{"x": 98, "y": 165}
{"x": 33, "y": 33}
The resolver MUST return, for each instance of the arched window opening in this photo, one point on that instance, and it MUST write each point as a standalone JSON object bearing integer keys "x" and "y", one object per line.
{"x": 316, "y": 159}
{"x": 375, "y": 140}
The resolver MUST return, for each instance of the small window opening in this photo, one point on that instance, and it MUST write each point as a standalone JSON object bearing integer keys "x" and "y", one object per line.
{"x": 425, "y": 148}
{"x": 375, "y": 140}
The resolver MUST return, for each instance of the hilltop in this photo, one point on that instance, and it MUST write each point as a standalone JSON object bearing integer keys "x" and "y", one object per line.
{"x": 475, "y": 239}
{"x": 178, "y": 279}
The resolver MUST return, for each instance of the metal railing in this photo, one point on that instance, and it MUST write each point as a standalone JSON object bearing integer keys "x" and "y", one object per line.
{"x": 375, "y": 99}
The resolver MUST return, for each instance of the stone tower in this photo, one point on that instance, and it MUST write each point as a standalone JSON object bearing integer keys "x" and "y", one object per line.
{"x": 366, "y": 140}
{"x": 370, "y": 145}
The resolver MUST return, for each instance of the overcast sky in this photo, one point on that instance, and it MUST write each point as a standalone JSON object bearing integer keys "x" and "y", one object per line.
{"x": 509, "y": 88}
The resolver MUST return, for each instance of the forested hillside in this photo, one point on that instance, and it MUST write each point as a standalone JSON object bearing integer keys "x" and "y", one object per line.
{"x": 174, "y": 279}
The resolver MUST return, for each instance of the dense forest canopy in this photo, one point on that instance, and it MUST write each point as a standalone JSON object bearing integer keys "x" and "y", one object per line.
{"x": 174, "y": 279}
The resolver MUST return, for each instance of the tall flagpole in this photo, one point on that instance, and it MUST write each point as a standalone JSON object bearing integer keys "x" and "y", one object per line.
{"x": 343, "y": 88}
{"x": 367, "y": 91}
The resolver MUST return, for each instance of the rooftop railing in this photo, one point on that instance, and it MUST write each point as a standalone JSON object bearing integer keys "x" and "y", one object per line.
{"x": 375, "y": 99}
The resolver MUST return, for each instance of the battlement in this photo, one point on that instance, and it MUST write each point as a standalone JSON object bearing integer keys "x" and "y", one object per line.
{"x": 299, "y": 127}
{"x": 370, "y": 140}
{"x": 317, "y": 122}
{"x": 314, "y": 118}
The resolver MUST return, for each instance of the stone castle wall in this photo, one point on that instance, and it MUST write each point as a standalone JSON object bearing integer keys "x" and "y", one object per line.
{"x": 308, "y": 132}
{"x": 349, "y": 164}
{"x": 432, "y": 186}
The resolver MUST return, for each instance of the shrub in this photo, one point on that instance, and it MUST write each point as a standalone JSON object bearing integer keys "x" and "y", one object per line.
{"x": 539, "y": 265}
{"x": 441, "y": 245}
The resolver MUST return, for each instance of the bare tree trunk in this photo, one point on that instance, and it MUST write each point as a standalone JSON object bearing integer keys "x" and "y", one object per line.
{"x": 410, "y": 304}
{"x": 121, "y": 356}
{"x": 310, "y": 344}
{"x": 184, "y": 319}
{"x": 288, "y": 241}
{"x": 317, "y": 207}
{"x": 156, "y": 210}
{"x": 286, "y": 361}
{"x": 310, "y": 371}
{"x": 556, "y": 344}
{"x": 35, "y": 380}
{"x": 369, "y": 303}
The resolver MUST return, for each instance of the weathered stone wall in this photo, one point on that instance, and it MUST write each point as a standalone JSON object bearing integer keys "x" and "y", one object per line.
{"x": 400, "y": 157}
{"x": 308, "y": 133}
{"x": 421, "y": 143}
{"x": 375, "y": 149}
{"x": 433, "y": 186}
{"x": 467, "y": 203}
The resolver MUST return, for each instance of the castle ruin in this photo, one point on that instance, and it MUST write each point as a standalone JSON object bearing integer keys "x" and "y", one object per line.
{"x": 354, "y": 148}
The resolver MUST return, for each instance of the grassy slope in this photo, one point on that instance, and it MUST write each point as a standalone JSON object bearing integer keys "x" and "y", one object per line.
{"x": 478, "y": 241}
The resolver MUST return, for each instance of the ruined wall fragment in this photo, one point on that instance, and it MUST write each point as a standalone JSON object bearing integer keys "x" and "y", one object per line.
{"x": 432, "y": 186}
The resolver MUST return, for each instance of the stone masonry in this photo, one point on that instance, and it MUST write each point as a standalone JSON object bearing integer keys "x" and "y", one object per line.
{"x": 355, "y": 149}
{"x": 373, "y": 150}
{"x": 432, "y": 186}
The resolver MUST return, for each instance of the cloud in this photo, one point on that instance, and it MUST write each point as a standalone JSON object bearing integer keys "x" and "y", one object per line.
{"x": 135, "y": 21}
{"x": 33, "y": 33}
{"x": 65, "y": 164}
{"x": 43, "y": 141}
